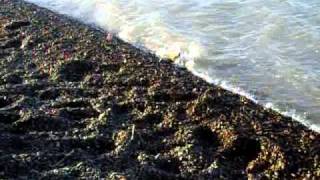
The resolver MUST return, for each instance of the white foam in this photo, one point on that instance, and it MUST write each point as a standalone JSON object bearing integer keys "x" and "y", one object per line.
{"x": 269, "y": 105}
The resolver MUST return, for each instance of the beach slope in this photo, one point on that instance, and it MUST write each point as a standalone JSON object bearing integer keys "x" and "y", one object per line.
{"x": 78, "y": 103}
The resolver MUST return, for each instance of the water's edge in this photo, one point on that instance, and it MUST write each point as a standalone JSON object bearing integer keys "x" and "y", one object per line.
{"x": 189, "y": 65}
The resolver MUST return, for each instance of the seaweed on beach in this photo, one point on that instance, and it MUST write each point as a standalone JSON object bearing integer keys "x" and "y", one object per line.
{"x": 75, "y": 103}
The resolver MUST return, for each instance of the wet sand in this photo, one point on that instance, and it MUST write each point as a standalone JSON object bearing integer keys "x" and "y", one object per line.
{"x": 75, "y": 103}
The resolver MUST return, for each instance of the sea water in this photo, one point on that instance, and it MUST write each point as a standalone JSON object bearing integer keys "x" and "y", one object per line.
{"x": 266, "y": 50}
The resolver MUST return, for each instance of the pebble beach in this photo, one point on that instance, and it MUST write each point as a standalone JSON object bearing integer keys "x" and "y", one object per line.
{"x": 78, "y": 102}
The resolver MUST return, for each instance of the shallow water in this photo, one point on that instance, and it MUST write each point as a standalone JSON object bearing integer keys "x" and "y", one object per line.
{"x": 267, "y": 50}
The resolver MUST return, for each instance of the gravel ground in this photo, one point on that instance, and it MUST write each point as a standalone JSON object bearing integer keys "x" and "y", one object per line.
{"x": 75, "y": 103}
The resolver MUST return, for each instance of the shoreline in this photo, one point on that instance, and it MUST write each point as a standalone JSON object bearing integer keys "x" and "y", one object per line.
{"x": 75, "y": 103}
